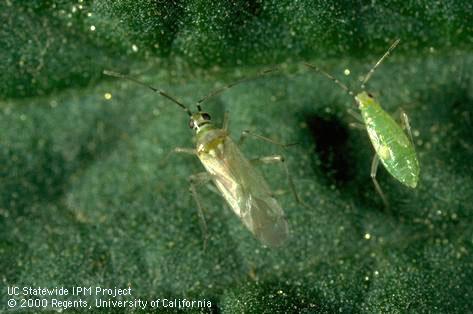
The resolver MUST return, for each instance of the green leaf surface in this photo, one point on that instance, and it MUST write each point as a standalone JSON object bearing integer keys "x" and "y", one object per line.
{"x": 88, "y": 197}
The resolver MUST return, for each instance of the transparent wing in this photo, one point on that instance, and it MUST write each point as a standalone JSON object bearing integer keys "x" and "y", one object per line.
{"x": 247, "y": 193}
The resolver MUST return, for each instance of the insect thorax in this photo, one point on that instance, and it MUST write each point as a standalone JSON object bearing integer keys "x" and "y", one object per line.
{"x": 210, "y": 141}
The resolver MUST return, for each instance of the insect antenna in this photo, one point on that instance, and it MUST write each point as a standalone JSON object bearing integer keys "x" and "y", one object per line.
{"x": 386, "y": 54}
{"x": 330, "y": 77}
{"x": 224, "y": 88}
{"x": 123, "y": 76}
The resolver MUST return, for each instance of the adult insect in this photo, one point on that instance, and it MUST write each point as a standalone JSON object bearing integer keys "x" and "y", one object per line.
{"x": 241, "y": 185}
{"x": 392, "y": 146}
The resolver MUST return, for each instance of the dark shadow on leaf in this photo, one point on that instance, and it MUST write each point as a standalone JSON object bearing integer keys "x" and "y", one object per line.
{"x": 37, "y": 175}
{"x": 330, "y": 136}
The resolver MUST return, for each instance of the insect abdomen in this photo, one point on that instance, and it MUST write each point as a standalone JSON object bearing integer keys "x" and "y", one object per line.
{"x": 244, "y": 188}
{"x": 393, "y": 147}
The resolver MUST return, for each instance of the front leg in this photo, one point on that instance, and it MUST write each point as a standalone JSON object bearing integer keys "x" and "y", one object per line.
{"x": 358, "y": 126}
{"x": 177, "y": 150}
{"x": 356, "y": 115}
{"x": 195, "y": 181}
{"x": 183, "y": 150}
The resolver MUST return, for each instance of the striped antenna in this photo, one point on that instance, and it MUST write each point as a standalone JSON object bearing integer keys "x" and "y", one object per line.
{"x": 330, "y": 77}
{"x": 224, "y": 88}
{"x": 123, "y": 76}
{"x": 386, "y": 54}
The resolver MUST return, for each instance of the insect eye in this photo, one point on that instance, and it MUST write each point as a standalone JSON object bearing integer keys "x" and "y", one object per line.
{"x": 191, "y": 123}
{"x": 206, "y": 116}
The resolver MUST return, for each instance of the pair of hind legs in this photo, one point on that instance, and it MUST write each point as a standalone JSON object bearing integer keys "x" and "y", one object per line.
{"x": 202, "y": 178}
{"x": 404, "y": 119}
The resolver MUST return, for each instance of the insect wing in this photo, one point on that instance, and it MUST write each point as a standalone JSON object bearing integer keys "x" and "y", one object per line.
{"x": 247, "y": 193}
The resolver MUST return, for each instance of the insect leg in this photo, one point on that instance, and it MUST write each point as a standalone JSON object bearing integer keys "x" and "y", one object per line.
{"x": 355, "y": 115}
{"x": 178, "y": 150}
{"x": 225, "y": 121}
{"x": 197, "y": 180}
{"x": 282, "y": 160}
{"x": 405, "y": 124}
{"x": 184, "y": 150}
{"x": 359, "y": 126}
{"x": 247, "y": 133}
{"x": 374, "y": 170}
